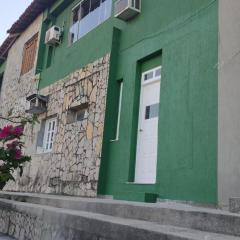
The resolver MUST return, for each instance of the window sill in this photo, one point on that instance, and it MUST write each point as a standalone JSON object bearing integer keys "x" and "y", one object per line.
{"x": 43, "y": 154}
{"x": 135, "y": 183}
{"x": 40, "y": 151}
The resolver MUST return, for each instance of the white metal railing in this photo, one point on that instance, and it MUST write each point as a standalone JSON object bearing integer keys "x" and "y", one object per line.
{"x": 91, "y": 20}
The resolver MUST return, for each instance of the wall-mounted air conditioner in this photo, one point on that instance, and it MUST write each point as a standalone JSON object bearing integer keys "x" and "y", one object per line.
{"x": 38, "y": 104}
{"x": 53, "y": 35}
{"x": 127, "y": 9}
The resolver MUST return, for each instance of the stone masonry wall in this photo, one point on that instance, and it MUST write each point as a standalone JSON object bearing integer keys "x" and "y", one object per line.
{"x": 73, "y": 165}
{"x": 15, "y": 86}
{"x": 25, "y": 226}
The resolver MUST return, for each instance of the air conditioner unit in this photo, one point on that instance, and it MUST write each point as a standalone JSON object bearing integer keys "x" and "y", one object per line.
{"x": 53, "y": 35}
{"x": 38, "y": 104}
{"x": 127, "y": 9}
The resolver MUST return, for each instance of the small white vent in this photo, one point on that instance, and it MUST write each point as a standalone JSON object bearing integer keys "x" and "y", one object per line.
{"x": 53, "y": 35}
{"x": 127, "y": 9}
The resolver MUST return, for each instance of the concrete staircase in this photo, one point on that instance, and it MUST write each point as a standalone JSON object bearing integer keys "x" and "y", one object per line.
{"x": 50, "y": 217}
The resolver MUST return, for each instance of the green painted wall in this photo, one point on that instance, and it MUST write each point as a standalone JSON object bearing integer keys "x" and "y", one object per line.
{"x": 185, "y": 35}
{"x": 66, "y": 58}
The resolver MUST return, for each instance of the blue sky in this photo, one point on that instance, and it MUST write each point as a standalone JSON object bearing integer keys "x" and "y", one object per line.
{"x": 10, "y": 11}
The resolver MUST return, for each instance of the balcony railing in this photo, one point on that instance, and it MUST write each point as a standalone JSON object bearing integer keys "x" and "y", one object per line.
{"x": 91, "y": 20}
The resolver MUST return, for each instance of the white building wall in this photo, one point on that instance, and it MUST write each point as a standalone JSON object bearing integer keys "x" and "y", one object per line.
{"x": 229, "y": 101}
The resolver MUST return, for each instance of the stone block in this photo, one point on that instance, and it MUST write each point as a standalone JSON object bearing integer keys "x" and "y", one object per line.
{"x": 234, "y": 205}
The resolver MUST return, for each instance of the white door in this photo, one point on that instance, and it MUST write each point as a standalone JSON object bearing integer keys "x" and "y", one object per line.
{"x": 147, "y": 141}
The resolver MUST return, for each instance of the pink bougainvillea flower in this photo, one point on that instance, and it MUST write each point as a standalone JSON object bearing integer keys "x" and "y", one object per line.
{"x": 6, "y": 131}
{"x": 18, "y": 154}
{"x": 2, "y": 163}
{"x": 18, "y": 131}
{"x": 3, "y": 135}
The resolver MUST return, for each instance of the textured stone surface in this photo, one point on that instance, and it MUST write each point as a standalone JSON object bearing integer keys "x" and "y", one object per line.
{"x": 73, "y": 165}
{"x": 15, "y": 86}
{"x": 234, "y": 205}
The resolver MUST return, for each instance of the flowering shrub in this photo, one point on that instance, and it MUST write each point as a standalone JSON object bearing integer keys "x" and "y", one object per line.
{"x": 11, "y": 155}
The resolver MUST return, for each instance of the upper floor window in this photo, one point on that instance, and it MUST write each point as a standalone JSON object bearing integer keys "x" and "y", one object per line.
{"x": 87, "y": 15}
{"x": 29, "y": 53}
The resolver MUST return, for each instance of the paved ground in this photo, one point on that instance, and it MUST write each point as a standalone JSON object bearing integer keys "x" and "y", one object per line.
{"x": 3, "y": 237}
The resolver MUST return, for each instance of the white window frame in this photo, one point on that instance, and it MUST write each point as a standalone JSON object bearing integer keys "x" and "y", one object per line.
{"x": 49, "y": 135}
{"x": 119, "y": 113}
{"x": 154, "y": 78}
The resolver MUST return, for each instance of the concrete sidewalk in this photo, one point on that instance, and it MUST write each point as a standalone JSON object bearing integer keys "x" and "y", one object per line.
{"x": 4, "y": 237}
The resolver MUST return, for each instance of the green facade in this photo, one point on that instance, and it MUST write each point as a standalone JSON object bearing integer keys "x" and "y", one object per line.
{"x": 183, "y": 37}
{"x": 66, "y": 58}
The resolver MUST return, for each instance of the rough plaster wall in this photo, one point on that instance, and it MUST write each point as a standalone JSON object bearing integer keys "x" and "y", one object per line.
{"x": 73, "y": 165}
{"x": 229, "y": 99}
{"x": 15, "y": 88}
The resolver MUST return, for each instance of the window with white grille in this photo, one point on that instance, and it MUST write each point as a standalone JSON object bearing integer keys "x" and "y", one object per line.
{"x": 49, "y": 134}
{"x": 152, "y": 75}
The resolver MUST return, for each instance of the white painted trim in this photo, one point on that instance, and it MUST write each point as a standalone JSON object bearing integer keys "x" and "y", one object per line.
{"x": 46, "y": 134}
{"x": 143, "y": 84}
{"x": 119, "y": 112}
{"x": 154, "y": 77}
{"x": 77, "y": 5}
{"x": 136, "y": 183}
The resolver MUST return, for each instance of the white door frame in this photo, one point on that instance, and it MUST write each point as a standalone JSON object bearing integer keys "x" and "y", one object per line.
{"x": 149, "y": 77}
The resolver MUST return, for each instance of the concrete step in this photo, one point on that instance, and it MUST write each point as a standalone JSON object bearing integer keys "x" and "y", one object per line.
{"x": 172, "y": 214}
{"x": 5, "y": 237}
{"x": 65, "y": 224}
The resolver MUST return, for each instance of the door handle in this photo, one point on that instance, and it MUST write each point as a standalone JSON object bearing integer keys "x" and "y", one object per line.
{"x": 140, "y": 130}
